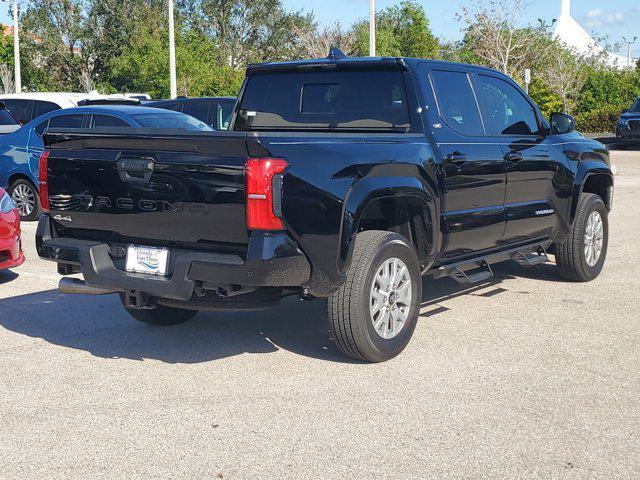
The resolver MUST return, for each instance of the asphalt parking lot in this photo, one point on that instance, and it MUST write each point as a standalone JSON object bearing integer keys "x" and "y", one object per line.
{"x": 522, "y": 377}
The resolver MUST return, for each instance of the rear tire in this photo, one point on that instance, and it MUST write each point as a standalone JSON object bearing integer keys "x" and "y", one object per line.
{"x": 371, "y": 321}
{"x": 25, "y": 196}
{"x": 576, "y": 260}
{"x": 160, "y": 316}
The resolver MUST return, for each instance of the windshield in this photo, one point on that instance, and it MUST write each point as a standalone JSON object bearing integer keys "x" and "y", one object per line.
{"x": 171, "y": 120}
{"x": 325, "y": 101}
{"x": 635, "y": 108}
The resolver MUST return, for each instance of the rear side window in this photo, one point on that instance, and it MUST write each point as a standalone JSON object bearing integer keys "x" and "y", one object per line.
{"x": 456, "y": 102}
{"x": 41, "y": 107}
{"x": 327, "y": 101}
{"x": 108, "y": 121}
{"x": 6, "y": 118}
{"x": 171, "y": 120}
{"x": 504, "y": 109}
{"x": 20, "y": 109}
{"x": 66, "y": 121}
{"x": 197, "y": 109}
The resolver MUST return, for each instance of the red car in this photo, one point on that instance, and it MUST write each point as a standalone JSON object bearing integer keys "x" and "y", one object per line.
{"x": 10, "y": 245}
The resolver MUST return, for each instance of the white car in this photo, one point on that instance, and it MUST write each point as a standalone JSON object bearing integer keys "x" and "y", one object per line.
{"x": 27, "y": 106}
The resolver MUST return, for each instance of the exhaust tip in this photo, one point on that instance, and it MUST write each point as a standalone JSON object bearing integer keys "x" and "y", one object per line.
{"x": 75, "y": 286}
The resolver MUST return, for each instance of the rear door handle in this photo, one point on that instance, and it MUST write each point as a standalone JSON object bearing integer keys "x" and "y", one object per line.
{"x": 513, "y": 157}
{"x": 456, "y": 158}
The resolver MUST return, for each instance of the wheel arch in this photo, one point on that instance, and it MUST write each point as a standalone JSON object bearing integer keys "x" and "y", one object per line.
{"x": 596, "y": 178}
{"x": 18, "y": 176}
{"x": 399, "y": 204}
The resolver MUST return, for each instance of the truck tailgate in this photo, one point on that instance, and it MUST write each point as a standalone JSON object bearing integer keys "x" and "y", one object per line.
{"x": 186, "y": 188}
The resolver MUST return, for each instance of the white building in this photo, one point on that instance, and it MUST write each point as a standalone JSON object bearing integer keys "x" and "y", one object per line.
{"x": 571, "y": 33}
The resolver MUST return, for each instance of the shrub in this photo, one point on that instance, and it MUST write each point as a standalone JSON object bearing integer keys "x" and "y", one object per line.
{"x": 601, "y": 120}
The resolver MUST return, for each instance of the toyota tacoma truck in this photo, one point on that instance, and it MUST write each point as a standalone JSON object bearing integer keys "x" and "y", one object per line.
{"x": 346, "y": 179}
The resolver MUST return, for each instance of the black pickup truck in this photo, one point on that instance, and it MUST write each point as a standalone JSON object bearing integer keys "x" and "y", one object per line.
{"x": 341, "y": 178}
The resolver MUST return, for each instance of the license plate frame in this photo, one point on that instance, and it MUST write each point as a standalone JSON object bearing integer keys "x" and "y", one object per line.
{"x": 147, "y": 260}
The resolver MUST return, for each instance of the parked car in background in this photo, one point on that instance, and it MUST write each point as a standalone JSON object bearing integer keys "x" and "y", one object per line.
{"x": 10, "y": 245}
{"x": 28, "y": 106}
{"x": 20, "y": 151}
{"x": 214, "y": 111}
{"x": 628, "y": 128}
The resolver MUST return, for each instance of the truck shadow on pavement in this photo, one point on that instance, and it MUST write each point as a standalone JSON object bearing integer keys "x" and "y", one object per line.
{"x": 100, "y": 326}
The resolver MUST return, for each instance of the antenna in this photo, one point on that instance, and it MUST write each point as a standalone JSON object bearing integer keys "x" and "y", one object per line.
{"x": 335, "y": 54}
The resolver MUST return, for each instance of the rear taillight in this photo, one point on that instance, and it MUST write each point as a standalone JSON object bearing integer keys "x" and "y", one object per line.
{"x": 263, "y": 179}
{"x": 43, "y": 178}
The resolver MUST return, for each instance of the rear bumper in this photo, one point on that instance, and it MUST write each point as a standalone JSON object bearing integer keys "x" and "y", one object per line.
{"x": 11, "y": 254}
{"x": 628, "y": 136}
{"x": 272, "y": 260}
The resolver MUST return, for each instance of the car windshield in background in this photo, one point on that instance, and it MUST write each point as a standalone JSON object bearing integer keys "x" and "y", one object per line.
{"x": 171, "y": 120}
{"x": 6, "y": 118}
{"x": 336, "y": 101}
{"x": 635, "y": 108}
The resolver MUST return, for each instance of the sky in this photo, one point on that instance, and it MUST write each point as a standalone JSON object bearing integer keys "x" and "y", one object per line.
{"x": 612, "y": 19}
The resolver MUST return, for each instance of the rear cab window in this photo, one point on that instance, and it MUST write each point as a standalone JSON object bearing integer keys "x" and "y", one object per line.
{"x": 337, "y": 101}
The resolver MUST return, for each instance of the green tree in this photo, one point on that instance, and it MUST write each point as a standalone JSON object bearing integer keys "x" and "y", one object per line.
{"x": 402, "y": 30}
{"x": 6, "y": 61}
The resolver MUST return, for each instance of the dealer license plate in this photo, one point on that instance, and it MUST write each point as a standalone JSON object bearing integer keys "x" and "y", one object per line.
{"x": 149, "y": 260}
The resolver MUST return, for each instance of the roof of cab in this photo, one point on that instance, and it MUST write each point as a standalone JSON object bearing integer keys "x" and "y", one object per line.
{"x": 340, "y": 60}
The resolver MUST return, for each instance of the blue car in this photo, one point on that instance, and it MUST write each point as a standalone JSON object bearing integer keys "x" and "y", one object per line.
{"x": 20, "y": 150}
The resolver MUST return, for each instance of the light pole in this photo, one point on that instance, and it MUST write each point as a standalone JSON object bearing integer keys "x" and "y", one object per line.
{"x": 16, "y": 47}
{"x": 629, "y": 43}
{"x": 172, "y": 53}
{"x": 372, "y": 28}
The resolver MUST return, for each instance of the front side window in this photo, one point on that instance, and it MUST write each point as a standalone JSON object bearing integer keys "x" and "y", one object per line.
{"x": 456, "y": 102}
{"x": 504, "y": 109}
{"x": 325, "y": 101}
{"x": 66, "y": 121}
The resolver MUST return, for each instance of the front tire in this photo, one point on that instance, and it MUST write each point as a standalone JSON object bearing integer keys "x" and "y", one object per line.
{"x": 25, "y": 197}
{"x": 160, "y": 316}
{"x": 581, "y": 256}
{"x": 374, "y": 313}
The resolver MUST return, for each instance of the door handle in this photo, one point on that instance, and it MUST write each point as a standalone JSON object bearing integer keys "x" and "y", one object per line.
{"x": 456, "y": 158}
{"x": 513, "y": 157}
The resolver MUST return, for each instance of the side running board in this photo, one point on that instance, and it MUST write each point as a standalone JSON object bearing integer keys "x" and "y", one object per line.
{"x": 476, "y": 270}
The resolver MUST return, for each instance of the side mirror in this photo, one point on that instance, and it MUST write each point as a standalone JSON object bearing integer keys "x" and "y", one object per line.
{"x": 562, "y": 123}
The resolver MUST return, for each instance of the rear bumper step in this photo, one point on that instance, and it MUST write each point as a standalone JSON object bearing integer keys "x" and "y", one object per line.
{"x": 273, "y": 260}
